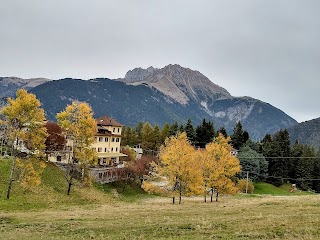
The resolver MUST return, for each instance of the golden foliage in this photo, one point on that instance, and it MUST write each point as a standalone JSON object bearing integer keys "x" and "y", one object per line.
{"x": 30, "y": 171}
{"x": 153, "y": 188}
{"x": 179, "y": 164}
{"x": 242, "y": 184}
{"x": 24, "y": 125}
{"x": 80, "y": 126}
{"x": 193, "y": 171}
{"x": 25, "y": 122}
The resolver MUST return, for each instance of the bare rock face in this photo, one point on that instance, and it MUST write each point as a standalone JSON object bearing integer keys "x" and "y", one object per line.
{"x": 178, "y": 83}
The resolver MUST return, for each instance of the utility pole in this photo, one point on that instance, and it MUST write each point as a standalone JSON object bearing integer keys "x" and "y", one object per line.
{"x": 247, "y": 183}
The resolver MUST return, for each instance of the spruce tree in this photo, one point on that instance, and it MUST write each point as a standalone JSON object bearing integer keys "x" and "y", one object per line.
{"x": 165, "y": 132}
{"x": 278, "y": 161}
{"x": 205, "y": 133}
{"x": 191, "y": 134}
{"x": 305, "y": 168}
{"x": 222, "y": 131}
{"x": 174, "y": 129}
{"x": 237, "y": 138}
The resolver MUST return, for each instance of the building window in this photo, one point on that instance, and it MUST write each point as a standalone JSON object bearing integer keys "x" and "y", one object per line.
{"x": 118, "y": 129}
{"x": 105, "y": 149}
{"x": 100, "y": 139}
{"x": 104, "y": 161}
{"x": 59, "y": 158}
{"x": 114, "y": 129}
{"x": 112, "y": 139}
{"x": 116, "y": 149}
{"x": 112, "y": 149}
{"x": 106, "y": 139}
{"x": 117, "y": 140}
{"x": 100, "y": 149}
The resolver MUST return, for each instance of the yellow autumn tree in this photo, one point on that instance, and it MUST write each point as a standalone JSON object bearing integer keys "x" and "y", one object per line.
{"x": 79, "y": 127}
{"x": 178, "y": 165}
{"x": 24, "y": 124}
{"x": 218, "y": 166}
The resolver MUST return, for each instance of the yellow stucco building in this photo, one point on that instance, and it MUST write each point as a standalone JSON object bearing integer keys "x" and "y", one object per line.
{"x": 107, "y": 141}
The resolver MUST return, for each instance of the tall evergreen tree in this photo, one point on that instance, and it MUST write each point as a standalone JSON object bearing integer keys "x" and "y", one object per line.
{"x": 174, "y": 128}
{"x": 148, "y": 138}
{"x": 278, "y": 161}
{"x": 305, "y": 168}
{"x": 296, "y": 153}
{"x": 223, "y": 131}
{"x": 316, "y": 174}
{"x": 253, "y": 163}
{"x": 165, "y": 132}
{"x": 237, "y": 138}
{"x": 156, "y": 133}
{"x": 138, "y": 130}
{"x": 205, "y": 133}
{"x": 191, "y": 134}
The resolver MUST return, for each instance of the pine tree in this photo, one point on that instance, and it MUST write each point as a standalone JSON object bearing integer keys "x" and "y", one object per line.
{"x": 190, "y": 131}
{"x": 165, "y": 132}
{"x": 138, "y": 131}
{"x": 316, "y": 174}
{"x": 205, "y": 134}
{"x": 148, "y": 137}
{"x": 174, "y": 128}
{"x": 305, "y": 168}
{"x": 156, "y": 133}
{"x": 278, "y": 162}
{"x": 238, "y": 138}
{"x": 222, "y": 131}
{"x": 254, "y": 163}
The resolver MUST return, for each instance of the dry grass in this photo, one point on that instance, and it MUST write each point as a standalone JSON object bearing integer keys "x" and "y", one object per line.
{"x": 268, "y": 217}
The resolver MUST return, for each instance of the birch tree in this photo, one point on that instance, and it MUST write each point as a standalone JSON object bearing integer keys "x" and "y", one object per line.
{"x": 178, "y": 165}
{"x": 79, "y": 127}
{"x": 218, "y": 166}
{"x": 24, "y": 123}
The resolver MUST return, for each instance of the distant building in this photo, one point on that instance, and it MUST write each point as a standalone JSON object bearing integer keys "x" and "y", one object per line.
{"x": 234, "y": 152}
{"x": 107, "y": 142}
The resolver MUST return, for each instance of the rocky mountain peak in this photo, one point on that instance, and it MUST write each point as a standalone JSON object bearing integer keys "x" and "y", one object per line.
{"x": 178, "y": 83}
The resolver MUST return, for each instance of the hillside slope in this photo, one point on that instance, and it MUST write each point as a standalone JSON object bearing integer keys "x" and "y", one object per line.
{"x": 306, "y": 133}
{"x": 9, "y": 85}
{"x": 130, "y": 104}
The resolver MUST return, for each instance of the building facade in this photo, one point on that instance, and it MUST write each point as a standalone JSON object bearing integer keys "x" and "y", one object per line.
{"x": 107, "y": 142}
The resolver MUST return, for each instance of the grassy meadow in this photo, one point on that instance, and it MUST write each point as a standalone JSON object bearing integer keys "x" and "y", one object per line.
{"x": 124, "y": 212}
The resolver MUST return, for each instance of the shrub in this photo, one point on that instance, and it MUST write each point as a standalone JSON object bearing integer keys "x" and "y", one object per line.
{"x": 242, "y": 186}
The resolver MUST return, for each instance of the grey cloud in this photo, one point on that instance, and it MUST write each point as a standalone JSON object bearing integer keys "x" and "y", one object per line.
{"x": 266, "y": 49}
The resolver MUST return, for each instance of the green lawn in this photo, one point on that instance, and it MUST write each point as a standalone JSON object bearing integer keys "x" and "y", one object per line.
{"x": 118, "y": 211}
{"x": 284, "y": 190}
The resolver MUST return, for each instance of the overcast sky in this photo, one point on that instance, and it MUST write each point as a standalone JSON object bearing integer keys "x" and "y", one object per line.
{"x": 266, "y": 49}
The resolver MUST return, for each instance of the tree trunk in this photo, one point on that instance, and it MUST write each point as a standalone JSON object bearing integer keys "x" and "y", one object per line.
{"x": 11, "y": 177}
{"x": 12, "y": 168}
{"x": 205, "y": 196}
{"x": 211, "y": 197}
{"x": 217, "y": 196}
{"x": 69, "y": 185}
{"x": 180, "y": 196}
{"x": 173, "y": 199}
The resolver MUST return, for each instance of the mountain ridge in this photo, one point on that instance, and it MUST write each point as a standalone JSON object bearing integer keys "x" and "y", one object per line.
{"x": 172, "y": 93}
{"x": 307, "y": 132}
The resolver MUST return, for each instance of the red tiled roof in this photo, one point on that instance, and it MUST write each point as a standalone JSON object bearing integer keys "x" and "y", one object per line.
{"x": 107, "y": 121}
